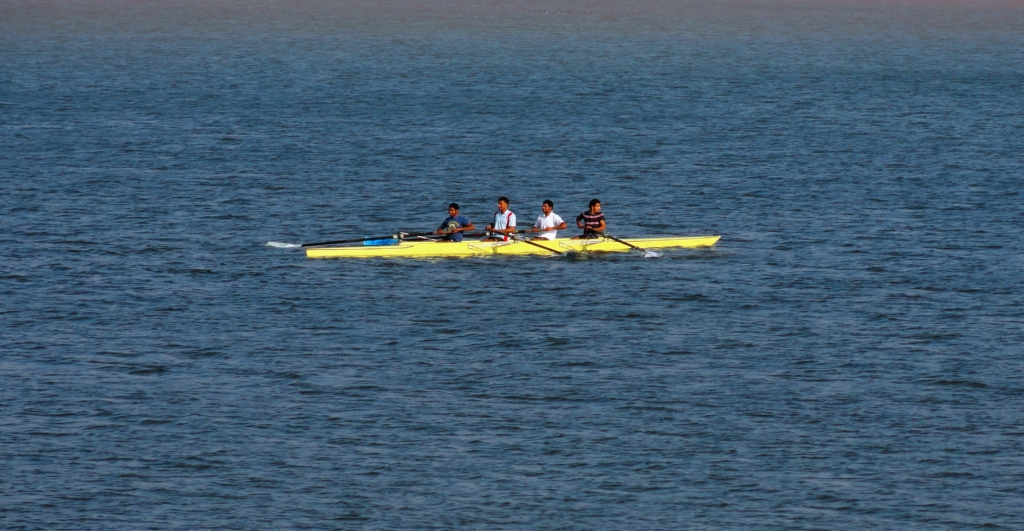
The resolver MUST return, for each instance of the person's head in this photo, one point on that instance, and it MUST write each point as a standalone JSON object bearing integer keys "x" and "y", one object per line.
{"x": 595, "y": 206}
{"x": 547, "y": 207}
{"x": 453, "y": 209}
{"x": 502, "y": 203}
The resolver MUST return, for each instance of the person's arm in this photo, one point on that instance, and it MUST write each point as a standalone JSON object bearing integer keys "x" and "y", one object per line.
{"x": 579, "y": 220}
{"x": 511, "y": 227}
{"x": 599, "y": 228}
{"x": 469, "y": 226}
{"x": 561, "y": 226}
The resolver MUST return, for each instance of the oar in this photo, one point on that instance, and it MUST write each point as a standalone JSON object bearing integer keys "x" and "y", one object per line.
{"x": 467, "y": 234}
{"x": 533, "y": 243}
{"x": 643, "y": 252}
{"x": 398, "y": 236}
{"x": 443, "y": 235}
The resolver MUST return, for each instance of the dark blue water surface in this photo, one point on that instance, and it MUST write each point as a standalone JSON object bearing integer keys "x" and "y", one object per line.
{"x": 849, "y": 355}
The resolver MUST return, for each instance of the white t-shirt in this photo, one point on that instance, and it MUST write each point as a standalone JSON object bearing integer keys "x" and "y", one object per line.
{"x": 546, "y": 222}
{"x": 504, "y": 221}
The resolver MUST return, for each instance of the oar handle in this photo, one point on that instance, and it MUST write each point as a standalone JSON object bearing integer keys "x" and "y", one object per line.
{"x": 516, "y": 233}
{"x": 464, "y": 234}
{"x": 396, "y": 236}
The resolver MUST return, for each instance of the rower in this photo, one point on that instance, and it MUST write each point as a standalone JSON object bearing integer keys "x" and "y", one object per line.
{"x": 454, "y": 225}
{"x": 504, "y": 222}
{"x": 548, "y": 223}
{"x": 591, "y": 221}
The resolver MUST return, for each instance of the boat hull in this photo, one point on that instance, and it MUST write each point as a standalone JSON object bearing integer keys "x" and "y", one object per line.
{"x": 429, "y": 249}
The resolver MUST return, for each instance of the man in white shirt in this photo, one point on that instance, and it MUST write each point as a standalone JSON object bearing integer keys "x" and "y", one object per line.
{"x": 548, "y": 224}
{"x": 504, "y": 222}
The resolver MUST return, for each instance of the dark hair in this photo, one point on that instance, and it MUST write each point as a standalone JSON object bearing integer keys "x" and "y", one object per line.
{"x": 594, "y": 202}
{"x": 503, "y": 198}
{"x": 549, "y": 203}
{"x": 455, "y": 206}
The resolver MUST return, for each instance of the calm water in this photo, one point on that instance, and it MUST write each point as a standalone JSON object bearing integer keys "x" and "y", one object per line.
{"x": 848, "y": 356}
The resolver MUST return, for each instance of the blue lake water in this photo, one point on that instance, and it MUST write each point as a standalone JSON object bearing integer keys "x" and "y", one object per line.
{"x": 847, "y": 356}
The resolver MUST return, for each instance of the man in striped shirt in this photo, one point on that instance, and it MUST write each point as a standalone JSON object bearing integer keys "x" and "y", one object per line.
{"x": 591, "y": 221}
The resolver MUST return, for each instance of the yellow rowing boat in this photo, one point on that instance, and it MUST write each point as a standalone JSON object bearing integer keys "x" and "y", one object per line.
{"x": 432, "y": 249}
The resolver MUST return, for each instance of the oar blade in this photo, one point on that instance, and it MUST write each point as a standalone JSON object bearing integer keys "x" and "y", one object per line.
{"x": 644, "y": 253}
{"x": 282, "y": 245}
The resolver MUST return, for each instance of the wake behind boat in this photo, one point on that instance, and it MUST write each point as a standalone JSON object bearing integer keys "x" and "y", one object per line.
{"x": 433, "y": 249}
